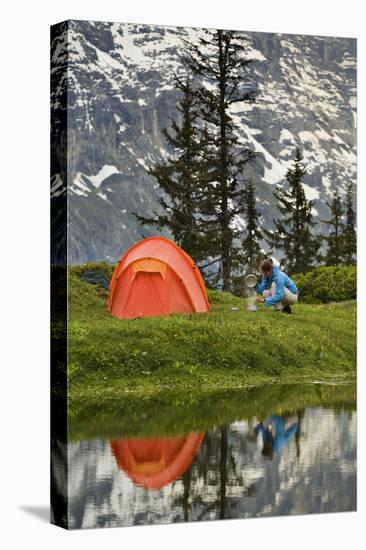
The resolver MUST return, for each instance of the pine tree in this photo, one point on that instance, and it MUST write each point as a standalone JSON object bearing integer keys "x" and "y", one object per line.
{"x": 178, "y": 177}
{"x": 250, "y": 244}
{"x": 293, "y": 230}
{"x": 349, "y": 238}
{"x": 220, "y": 62}
{"x": 334, "y": 238}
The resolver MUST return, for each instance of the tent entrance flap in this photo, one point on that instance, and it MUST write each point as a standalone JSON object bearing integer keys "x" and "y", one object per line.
{"x": 148, "y": 296}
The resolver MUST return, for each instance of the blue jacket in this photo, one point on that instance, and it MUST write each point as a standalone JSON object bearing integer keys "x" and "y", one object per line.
{"x": 282, "y": 281}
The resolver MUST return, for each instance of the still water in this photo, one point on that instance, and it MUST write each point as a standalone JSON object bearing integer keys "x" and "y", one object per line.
{"x": 297, "y": 462}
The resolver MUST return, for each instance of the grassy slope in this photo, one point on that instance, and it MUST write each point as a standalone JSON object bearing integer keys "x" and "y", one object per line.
{"x": 110, "y": 357}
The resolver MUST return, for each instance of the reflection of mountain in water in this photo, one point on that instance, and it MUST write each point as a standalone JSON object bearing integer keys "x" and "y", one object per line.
{"x": 228, "y": 478}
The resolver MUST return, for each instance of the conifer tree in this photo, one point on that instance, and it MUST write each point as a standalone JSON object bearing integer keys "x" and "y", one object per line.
{"x": 349, "y": 238}
{"x": 178, "y": 177}
{"x": 292, "y": 232}
{"x": 334, "y": 238}
{"x": 250, "y": 244}
{"x": 220, "y": 62}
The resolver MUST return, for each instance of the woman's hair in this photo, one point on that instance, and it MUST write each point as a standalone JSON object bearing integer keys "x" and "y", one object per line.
{"x": 266, "y": 265}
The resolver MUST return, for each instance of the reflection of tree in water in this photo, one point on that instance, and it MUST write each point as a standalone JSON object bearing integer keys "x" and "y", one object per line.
{"x": 223, "y": 470}
{"x": 185, "y": 499}
{"x": 300, "y": 415}
{"x": 217, "y": 470}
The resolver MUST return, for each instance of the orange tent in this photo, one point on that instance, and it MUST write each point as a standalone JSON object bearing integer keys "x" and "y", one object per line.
{"x": 155, "y": 462}
{"x": 156, "y": 277}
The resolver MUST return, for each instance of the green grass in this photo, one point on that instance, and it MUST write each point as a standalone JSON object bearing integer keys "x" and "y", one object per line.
{"x": 223, "y": 349}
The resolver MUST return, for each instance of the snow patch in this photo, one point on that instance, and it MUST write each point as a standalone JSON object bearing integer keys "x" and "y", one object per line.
{"x": 78, "y": 187}
{"x": 126, "y": 41}
{"x": 256, "y": 55}
{"x": 348, "y": 63}
{"x": 310, "y": 193}
{"x": 75, "y": 46}
{"x": 165, "y": 87}
{"x": 286, "y": 152}
{"x": 103, "y": 173}
{"x": 238, "y": 223}
{"x": 107, "y": 60}
{"x": 309, "y": 137}
{"x": 327, "y": 184}
{"x": 142, "y": 162}
{"x": 275, "y": 174}
{"x": 322, "y": 134}
{"x": 57, "y": 186}
{"x": 276, "y": 171}
{"x": 286, "y": 135}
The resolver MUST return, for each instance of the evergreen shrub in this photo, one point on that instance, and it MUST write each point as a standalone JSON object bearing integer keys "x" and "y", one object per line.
{"x": 327, "y": 284}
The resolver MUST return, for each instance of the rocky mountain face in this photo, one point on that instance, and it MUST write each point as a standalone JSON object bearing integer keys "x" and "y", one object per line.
{"x": 116, "y": 81}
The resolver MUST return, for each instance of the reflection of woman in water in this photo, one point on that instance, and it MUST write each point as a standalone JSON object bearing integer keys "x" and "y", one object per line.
{"x": 274, "y": 435}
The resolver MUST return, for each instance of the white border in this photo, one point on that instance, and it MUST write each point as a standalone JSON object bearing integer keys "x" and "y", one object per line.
{"x": 24, "y": 222}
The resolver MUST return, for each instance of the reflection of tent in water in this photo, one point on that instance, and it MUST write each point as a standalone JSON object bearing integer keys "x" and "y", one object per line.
{"x": 155, "y": 462}
{"x": 156, "y": 277}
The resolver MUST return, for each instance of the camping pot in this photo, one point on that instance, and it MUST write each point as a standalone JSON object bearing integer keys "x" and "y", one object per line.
{"x": 251, "y": 280}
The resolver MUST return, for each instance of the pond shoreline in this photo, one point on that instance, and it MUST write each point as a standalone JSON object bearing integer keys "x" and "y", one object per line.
{"x": 143, "y": 390}
{"x": 136, "y": 414}
{"x": 332, "y": 380}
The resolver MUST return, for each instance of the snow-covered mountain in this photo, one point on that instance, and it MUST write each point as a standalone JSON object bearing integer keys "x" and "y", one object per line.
{"x": 117, "y": 82}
